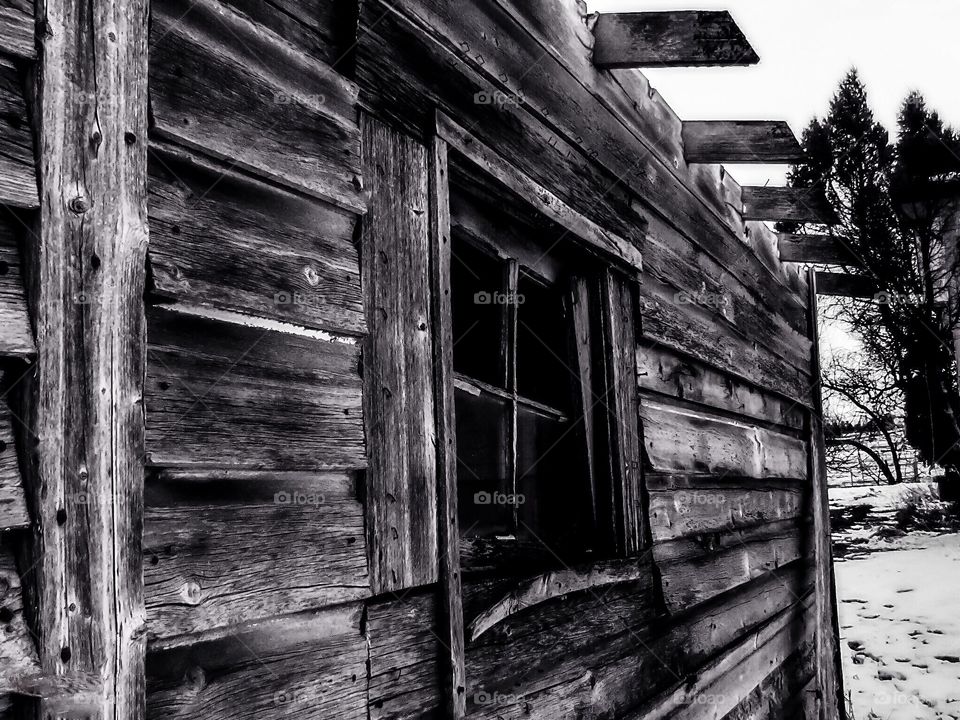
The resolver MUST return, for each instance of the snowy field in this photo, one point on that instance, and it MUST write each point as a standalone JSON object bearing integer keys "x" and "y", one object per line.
{"x": 899, "y": 616}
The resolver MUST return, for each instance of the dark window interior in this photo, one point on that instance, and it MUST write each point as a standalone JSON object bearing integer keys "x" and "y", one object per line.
{"x": 523, "y": 473}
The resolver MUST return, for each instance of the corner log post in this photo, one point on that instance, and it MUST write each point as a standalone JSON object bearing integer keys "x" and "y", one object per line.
{"x": 829, "y": 675}
{"x": 85, "y": 397}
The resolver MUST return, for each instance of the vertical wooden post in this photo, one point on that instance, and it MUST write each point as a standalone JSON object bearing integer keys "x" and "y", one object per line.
{"x": 86, "y": 396}
{"x": 829, "y": 678}
{"x": 447, "y": 520}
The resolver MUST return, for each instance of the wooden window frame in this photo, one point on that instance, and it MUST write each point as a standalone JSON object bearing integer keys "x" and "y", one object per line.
{"x": 602, "y": 314}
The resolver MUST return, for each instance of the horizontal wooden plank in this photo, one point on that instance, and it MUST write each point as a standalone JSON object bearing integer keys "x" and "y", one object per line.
{"x": 555, "y": 584}
{"x": 849, "y": 285}
{"x": 18, "y": 655}
{"x": 219, "y": 239}
{"x": 310, "y": 667}
{"x": 681, "y": 440}
{"x": 319, "y": 28}
{"x": 583, "y": 149}
{"x": 784, "y": 203}
{"x": 818, "y": 249}
{"x": 16, "y": 336}
{"x": 740, "y": 141}
{"x": 709, "y": 508}
{"x": 663, "y": 371}
{"x": 403, "y": 635}
{"x": 685, "y": 38}
{"x": 13, "y": 506}
{"x": 225, "y": 86}
{"x": 220, "y": 394}
{"x": 537, "y": 197}
{"x": 695, "y": 569}
{"x": 786, "y": 693}
{"x": 683, "y": 322}
{"x": 554, "y": 644}
{"x": 17, "y": 29}
{"x": 228, "y": 548}
{"x": 719, "y": 685}
{"x": 18, "y": 179}
{"x": 632, "y": 660}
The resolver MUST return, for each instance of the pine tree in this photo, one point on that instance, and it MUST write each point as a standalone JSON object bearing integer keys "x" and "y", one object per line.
{"x": 892, "y": 201}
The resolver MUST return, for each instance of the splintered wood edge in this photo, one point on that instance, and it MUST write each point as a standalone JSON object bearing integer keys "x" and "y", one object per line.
{"x": 554, "y": 584}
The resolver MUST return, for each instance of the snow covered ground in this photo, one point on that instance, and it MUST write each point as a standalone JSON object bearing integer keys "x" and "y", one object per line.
{"x": 900, "y": 618}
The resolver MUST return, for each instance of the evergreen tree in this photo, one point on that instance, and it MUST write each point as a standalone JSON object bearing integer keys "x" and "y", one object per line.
{"x": 892, "y": 201}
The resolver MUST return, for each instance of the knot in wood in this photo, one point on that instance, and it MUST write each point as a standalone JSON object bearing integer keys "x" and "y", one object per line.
{"x": 79, "y": 205}
{"x": 191, "y": 592}
{"x": 312, "y": 276}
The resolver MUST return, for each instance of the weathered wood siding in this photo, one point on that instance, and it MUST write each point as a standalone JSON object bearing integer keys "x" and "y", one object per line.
{"x": 19, "y": 199}
{"x": 723, "y": 381}
{"x": 295, "y": 553}
{"x": 255, "y": 546}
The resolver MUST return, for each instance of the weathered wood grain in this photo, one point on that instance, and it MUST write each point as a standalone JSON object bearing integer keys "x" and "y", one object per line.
{"x": 665, "y": 372}
{"x": 220, "y": 394}
{"x": 228, "y": 548}
{"x": 670, "y": 39}
{"x": 307, "y": 666}
{"x": 840, "y": 284}
{"x": 784, "y": 203}
{"x": 719, "y": 685}
{"x": 561, "y": 30}
{"x": 688, "y": 322}
{"x": 16, "y": 336}
{"x": 818, "y": 249}
{"x": 696, "y": 509}
{"x": 740, "y": 141}
{"x": 319, "y": 28}
{"x": 538, "y": 197}
{"x": 393, "y": 62}
{"x": 403, "y": 632}
{"x": 557, "y": 643}
{"x": 618, "y": 308}
{"x": 271, "y": 110}
{"x": 453, "y": 675}
{"x": 18, "y": 175}
{"x": 696, "y": 569}
{"x": 231, "y": 242}
{"x": 85, "y": 397}
{"x": 829, "y": 673}
{"x": 786, "y": 692}
{"x": 13, "y": 507}
{"x": 18, "y": 656}
{"x": 17, "y": 29}
{"x": 398, "y": 363}
{"x": 681, "y": 440}
{"x": 633, "y": 659}
{"x": 556, "y": 584}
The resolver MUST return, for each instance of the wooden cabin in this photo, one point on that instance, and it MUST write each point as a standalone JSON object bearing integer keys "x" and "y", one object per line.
{"x": 374, "y": 359}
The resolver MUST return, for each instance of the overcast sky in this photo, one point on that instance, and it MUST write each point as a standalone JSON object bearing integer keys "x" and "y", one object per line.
{"x": 805, "y": 48}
